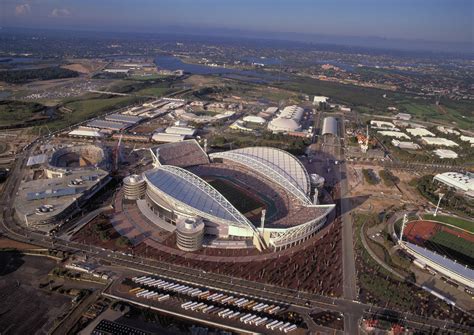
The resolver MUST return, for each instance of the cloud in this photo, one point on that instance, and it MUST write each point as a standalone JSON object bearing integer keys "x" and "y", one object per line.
{"x": 60, "y": 12}
{"x": 22, "y": 9}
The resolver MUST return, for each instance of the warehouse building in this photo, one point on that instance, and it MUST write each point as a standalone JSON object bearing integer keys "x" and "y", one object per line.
{"x": 419, "y": 132}
{"x": 288, "y": 120}
{"x": 439, "y": 141}
{"x": 405, "y": 145}
{"x": 86, "y": 132}
{"x": 330, "y": 126}
{"x": 254, "y": 119}
{"x": 131, "y": 119}
{"x": 185, "y": 131}
{"x": 445, "y": 153}
{"x": 460, "y": 181}
{"x": 396, "y": 134}
{"x": 113, "y": 126}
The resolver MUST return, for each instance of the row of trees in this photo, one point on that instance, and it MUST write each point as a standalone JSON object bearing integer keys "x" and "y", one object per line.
{"x": 453, "y": 201}
{"x": 47, "y": 73}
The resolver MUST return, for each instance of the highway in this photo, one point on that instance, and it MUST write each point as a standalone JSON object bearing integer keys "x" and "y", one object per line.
{"x": 348, "y": 305}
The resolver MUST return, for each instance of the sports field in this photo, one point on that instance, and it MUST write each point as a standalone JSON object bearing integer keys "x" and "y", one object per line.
{"x": 237, "y": 197}
{"x": 451, "y": 242}
{"x": 454, "y": 221}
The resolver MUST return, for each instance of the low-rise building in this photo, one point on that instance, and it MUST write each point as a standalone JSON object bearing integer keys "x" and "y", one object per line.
{"x": 167, "y": 138}
{"x": 396, "y": 134}
{"x": 459, "y": 181}
{"x": 254, "y": 119}
{"x": 377, "y": 124}
{"x": 445, "y": 153}
{"x": 185, "y": 131}
{"x": 319, "y": 99}
{"x": 405, "y": 145}
{"x": 446, "y": 130}
{"x": 403, "y": 116}
{"x": 439, "y": 141}
{"x": 467, "y": 139}
{"x": 419, "y": 132}
{"x": 86, "y": 132}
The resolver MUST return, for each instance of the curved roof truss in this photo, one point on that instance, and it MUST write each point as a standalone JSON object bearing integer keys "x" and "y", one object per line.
{"x": 290, "y": 173}
{"x": 210, "y": 200}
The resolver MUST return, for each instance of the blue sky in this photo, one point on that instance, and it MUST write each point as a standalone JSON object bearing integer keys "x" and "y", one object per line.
{"x": 434, "y": 20}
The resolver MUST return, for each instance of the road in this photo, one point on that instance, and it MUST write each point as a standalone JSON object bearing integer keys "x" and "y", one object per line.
{"x": 352, "y": 309}
{"x": 334, "y": 147}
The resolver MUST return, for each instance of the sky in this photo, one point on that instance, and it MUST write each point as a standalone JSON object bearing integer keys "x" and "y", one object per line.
{"x": 429, "y": 20}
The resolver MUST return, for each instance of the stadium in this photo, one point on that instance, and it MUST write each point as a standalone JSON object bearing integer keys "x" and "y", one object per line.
{"x": 442, "y": 247}
{"x": 77, "y": 158}
{"x": 255, "y": 197}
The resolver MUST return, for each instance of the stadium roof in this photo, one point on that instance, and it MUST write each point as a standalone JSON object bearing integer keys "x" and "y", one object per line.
{"x": 445, "y": 262}
{"x": 275, "y": 164}
{"x": 330, "y": 126}
{"x": 195, "y": 194}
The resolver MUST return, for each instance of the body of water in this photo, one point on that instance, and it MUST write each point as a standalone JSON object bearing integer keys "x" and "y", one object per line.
{"x": 173, "y": 63}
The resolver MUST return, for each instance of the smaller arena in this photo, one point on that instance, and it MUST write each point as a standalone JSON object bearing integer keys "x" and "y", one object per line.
{"x": 442, "y": 247}
{"x": 77, "y": 158}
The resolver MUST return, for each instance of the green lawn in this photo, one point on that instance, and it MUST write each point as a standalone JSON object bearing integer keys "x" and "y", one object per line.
{"x": 154, "y": 91}
{"x": 88, "y": 108}
{"x": 457, "y": 222}
{"x": 239, "y": 199}
{"x": 13, "y": 112}
{"x": 454, "y": 243}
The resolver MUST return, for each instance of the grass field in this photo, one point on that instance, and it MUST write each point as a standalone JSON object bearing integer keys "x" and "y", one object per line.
{"x": 87, "y": 108}
{"x": 13, "y": 112}
{"x": 452, "y": 242}
{"x": 239, "y": 199}
{"x": 457, "y": 222}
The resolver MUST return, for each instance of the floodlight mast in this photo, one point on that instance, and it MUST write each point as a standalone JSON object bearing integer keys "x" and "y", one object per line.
{"x": 441, "y": 195}
{"x": 405, "y": 220}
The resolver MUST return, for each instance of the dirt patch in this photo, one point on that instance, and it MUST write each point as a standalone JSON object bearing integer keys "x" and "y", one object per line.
{"x": 381, "y": 195}
{"x": 7, "y": 244}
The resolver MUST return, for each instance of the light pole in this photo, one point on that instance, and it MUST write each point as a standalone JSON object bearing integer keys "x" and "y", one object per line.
{"x": 441, "y": 195}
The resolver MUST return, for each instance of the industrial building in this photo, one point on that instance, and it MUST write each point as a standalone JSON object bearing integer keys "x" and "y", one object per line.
{"x": 288, "y": 120}
{"x": 254, "y": 119}
{"x": 330, "y": 126}
{"x": 167, "y": 138}
{"x": 177, "y": 189}
{"x": 122, "y": 118}
{"x": 439, "y": 141}
{"x": 469, "y": 139}
{"x": 184, "y": 131}
{"x": 445, "y": 153}
{"x": 113, "y": 126}
{"x": 86, "y": 132}
{"x": 43, "y": 203}
{"x": 319, "y": 99}
{"x": 403, "y": 116}
{"x": 396, "y": 134}
{"x": 384, "y": 125}
{"x": 419, "y": 132}
{"x": 405, "y": 145}
{"x": 446, "y": 130}
{"x": 459, "y": 181}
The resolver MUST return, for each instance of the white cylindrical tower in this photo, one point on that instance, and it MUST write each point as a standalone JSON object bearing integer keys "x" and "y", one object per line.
{"x": 134, "y": 187}
{"x": 189, "y": 234}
